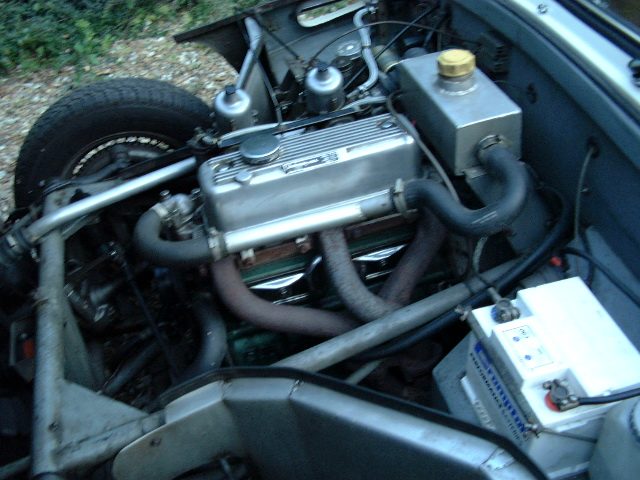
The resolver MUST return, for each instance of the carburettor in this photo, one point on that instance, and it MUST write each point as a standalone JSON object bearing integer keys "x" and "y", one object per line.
{"x": 290, "y": 180}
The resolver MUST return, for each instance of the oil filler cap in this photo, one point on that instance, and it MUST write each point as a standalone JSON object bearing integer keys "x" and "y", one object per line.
{"x": 456, "y": 63}
{"x": 260, "y": 149}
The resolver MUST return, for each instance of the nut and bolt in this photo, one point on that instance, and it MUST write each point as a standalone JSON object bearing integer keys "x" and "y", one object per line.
{"x": 243, "y": 177}
{"x": 247, "y": 258}
{"x": 303, "y": 244}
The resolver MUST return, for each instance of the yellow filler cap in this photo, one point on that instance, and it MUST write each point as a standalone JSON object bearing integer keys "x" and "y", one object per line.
{"x": 456, "y": 63}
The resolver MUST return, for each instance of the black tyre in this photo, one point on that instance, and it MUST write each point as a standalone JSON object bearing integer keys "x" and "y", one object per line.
{"x": 75, "y": 135}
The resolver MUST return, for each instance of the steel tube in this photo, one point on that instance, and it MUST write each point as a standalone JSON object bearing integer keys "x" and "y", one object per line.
{"x": 255, "y": 47}
{"x": 49, "y": 361}
{"x": 49, "y": 222}
{"x": 371, "y": 207}
{"x": 379, "y": 331}
{"x": 367, "y": 54}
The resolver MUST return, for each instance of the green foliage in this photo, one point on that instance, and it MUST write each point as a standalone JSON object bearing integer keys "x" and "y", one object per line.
{"x": 38, "y": 33}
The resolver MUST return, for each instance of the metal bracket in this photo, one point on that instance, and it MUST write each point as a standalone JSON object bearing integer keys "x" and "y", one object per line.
{"x": 217, "y": 247}
{"x": 161, "y": 211}
{"x": 399, "y": 201}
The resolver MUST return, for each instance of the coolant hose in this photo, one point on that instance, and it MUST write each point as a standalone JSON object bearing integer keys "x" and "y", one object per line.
{"x": 502, "y": 284}
{"x": 427, "y": 316}
{"x": 397, "y": 289}
{"x": 415, "y": 261}
{"x": 213, "y": 338}
{"x": 283, "y": 318}
{"x": 358, "y": 299}
{"x": 130, "y": 369}
{"x": 213, "y": 348}
{"x": 493, "y": 218}
{"x": 177, "y": 254}
{"x": 349, "y": 344}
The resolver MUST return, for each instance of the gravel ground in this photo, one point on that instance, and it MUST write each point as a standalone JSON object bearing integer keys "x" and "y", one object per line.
{"x": 24, "y": 97}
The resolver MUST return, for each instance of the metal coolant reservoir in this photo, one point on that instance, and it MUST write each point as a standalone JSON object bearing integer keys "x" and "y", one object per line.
{"x": 456, "y": 106}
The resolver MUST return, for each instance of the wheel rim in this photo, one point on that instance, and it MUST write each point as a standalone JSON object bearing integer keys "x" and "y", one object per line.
{"x": 97, "y": 155}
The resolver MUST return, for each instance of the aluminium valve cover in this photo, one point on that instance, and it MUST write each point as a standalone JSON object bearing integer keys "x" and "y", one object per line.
{"x": 306, "y": 171}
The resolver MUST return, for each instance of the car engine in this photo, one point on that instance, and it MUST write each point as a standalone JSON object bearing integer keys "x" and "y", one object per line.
{"x": 370, "y": 200}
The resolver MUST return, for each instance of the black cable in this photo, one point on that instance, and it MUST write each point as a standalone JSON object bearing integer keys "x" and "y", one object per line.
{"x": 385, "y": 22}
{"x": 508, "y": 281}
{"x": 592, "y": 152}
{"x": 272, "y": 94}
{"x": 429, "y": 36}
{"x": 605, "y": 271}
{"x": 393, "y": 40}
{"x": 616, "y": 397}
{"x": 164, "y": 346}
{"x": 587, "y": 247}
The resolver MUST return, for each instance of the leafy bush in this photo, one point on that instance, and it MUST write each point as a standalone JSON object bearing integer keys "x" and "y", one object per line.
{"x": 36, "y": 33}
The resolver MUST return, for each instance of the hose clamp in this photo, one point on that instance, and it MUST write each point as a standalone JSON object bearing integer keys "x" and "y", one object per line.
{"x": 215, "y": 241}
{"x": 161, "y": 211}
{"x": 397, "y": 195}
{"x": 488, "y": 142}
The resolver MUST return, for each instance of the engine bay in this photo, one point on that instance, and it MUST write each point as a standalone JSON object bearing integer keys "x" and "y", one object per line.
{"x": 402, "y": 197}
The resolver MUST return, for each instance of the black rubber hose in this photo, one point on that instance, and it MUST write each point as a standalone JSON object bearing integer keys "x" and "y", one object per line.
{"x": 283, "y": 318}
{"x": 355, "y": 296}
{"x": 397, "y": 289}
{"x": 493, "y": 218}
{"x": 523, "y": 268}
{"x": 130, "y": 369}
{"x": 213, "y": 338}
{"x": 414, "y": 262}
{"x": 178, "y": 254}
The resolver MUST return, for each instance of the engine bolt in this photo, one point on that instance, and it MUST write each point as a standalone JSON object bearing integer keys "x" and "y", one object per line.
{"x": 247, "y": 258}
{"x": 303, "y": 244}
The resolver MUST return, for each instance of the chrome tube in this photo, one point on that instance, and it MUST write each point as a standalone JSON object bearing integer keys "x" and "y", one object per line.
{"x": 380, "y": 99}
{"x": 367, "y": 54}
{"x": 373, "y": 206}
{"x": 255, "y": 46}
{"x": 49, "y": 222}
